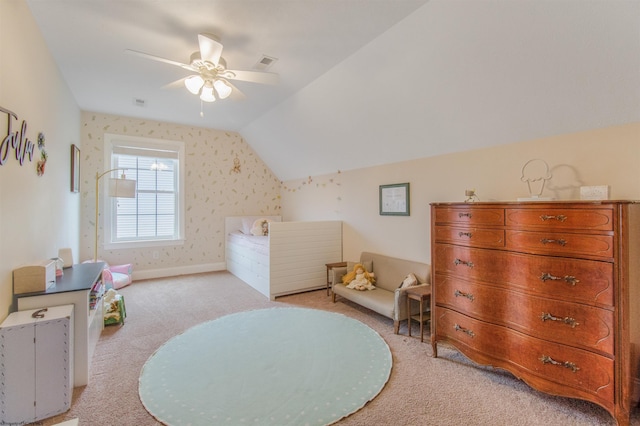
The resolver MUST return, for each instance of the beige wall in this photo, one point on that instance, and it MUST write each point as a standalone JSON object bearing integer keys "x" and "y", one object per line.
{"x": 609, "y": 156}
{"x": 38, "y": 215}
{"x": 213, "y": 191}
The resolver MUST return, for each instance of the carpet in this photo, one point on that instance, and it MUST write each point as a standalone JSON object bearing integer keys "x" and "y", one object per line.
{"x": 277, "y": 366}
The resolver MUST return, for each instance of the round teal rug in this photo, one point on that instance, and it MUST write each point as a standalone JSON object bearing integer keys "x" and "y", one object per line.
{"x": 279, "y": 366}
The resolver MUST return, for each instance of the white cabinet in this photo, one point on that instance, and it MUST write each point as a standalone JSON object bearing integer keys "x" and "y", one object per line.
{"x": 81, "y": 285}
{"x": 36, "y": 364}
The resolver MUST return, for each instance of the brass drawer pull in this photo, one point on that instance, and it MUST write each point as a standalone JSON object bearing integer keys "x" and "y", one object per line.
{"x": 464, "y": 234}
{"x": 462, "y": 262}
{"x": 559, "y": 218}
{"x": 548, "y": 360}
{"x": 465, "y": 215}
{"x": 549, "y": 241}
{"x": 567, "y": 320}
{"x": 463, "y": 294}
{"x": 568, "y": 278}
{"x": 464, "y": 330}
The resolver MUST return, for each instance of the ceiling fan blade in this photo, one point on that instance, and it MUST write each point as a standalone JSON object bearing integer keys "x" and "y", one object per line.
{"x": 174, "y": 84}
{"x": 210, "y": 49}
{"x": 236, "y": 94}
{"x": 252, "y": 76}
{"x": 159, "y": 59}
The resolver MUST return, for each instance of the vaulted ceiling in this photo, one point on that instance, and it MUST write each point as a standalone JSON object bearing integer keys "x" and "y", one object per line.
{"x": 361, "y": 82}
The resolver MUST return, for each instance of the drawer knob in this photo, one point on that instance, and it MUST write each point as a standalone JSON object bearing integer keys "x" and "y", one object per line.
{"x": 463, "y": 262}
{"x": 568, "y": 278}
{"x": 567, "y": 320}
{"x": 465, "y": 215}
{"x": 566, "y": 364}
{"x": 463, "y": 294}
{"x": 464, "y": 330}
{"x": 559, "y": 218}
{"x": 464, "y": 234}
{"x": 550, "y": 241}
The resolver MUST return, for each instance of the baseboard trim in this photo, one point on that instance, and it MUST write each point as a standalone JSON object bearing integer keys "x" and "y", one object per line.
{"x": 175, "y": 271}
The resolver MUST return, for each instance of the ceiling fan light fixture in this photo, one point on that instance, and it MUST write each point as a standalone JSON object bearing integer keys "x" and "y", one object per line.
{"x": 207, "y": 93}
{"x": 210, "y": 79}
{"x": 194, "y": 83}
{"x": 222, "y": 88}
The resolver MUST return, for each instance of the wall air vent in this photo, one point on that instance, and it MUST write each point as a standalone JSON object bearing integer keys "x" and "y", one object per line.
{"x": 139, "y": 102}
{"x": 264, "y": 63}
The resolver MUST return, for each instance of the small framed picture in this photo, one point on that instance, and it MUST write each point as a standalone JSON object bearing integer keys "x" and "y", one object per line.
{"x": 75, "y": 168}
{"x": 394, "y": 199}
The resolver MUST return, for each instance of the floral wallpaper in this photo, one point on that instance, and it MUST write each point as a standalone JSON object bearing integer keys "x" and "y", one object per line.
{"x": 224, "y": 177}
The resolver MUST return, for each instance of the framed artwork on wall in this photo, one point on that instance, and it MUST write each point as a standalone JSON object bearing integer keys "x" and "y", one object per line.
{"x": 394, "y": 199}
{"x": 75, "y": 168}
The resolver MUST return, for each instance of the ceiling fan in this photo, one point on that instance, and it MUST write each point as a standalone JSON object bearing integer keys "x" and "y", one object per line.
{"x": 211, "y": 80}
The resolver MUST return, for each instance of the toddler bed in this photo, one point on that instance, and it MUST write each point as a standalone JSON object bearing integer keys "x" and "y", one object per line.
{"x": 290, "y": 259}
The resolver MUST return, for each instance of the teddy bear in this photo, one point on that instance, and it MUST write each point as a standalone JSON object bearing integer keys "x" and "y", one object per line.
{"x": 359, "y": 278}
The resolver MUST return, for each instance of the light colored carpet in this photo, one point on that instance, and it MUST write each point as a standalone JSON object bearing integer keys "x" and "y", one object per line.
{"x": 274, "y": 366}
{"x": 448, "y": 390}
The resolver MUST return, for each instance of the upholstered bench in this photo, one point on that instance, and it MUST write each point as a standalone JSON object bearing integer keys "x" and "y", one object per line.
{"x": 388, "y": 298}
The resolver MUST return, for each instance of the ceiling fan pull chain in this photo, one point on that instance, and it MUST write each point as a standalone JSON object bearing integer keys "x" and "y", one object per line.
{"x": 201, "y": 111}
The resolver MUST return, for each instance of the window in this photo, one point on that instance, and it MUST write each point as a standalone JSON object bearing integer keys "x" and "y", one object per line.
{"x": 155, "y": 216}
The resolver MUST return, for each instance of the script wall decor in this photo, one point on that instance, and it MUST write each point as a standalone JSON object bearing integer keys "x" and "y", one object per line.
{"x": 16, "y": 141}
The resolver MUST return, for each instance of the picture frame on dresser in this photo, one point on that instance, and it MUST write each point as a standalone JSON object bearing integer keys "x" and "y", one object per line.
{"x": 395, "y": 199}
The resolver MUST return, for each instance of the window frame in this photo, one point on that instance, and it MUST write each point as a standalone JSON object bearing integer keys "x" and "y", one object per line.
{"x": 108, "y": 203}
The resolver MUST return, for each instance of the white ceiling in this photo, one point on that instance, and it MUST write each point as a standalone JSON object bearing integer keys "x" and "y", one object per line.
{"x": 88, "y": 38}
{"x": 362, "y": 82}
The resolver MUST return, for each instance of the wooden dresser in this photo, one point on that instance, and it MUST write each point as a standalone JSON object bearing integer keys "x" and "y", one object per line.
{"x": 549, "y": 291}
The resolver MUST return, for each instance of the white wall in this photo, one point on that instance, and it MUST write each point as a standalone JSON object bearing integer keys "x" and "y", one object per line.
{"x": 609, "y": 156}
{"x": 458, "y": 75}
{"x": 38, "y": 214}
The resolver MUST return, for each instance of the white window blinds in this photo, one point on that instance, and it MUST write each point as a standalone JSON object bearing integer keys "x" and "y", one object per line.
{"x": 155, "y": 212}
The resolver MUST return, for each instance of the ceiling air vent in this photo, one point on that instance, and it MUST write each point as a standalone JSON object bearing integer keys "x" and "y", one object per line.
{"x": 264, "y": 63}
{"x": 139, "y": 102}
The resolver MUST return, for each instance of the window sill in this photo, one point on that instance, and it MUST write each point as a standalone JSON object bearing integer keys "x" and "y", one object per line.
{"x": 142, "y": 244}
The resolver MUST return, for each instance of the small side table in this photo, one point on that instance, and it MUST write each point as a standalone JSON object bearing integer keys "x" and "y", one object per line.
{"x": 420, "y": 294}
{"x": 330, "y": 266}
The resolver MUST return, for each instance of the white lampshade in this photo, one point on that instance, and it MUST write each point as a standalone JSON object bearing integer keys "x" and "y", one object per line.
{"x": 223, "y": 89}
{"x": 123, "y": 188}
{"x": 207, "y": 93}
{"x": 194, "y": 83}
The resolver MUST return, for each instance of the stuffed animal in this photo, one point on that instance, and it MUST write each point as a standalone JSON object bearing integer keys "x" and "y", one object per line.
{"x": 359, "y": 278}
{"x": 260, "y": 227}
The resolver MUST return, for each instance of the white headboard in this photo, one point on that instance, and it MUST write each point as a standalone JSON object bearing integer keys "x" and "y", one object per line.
{"x": 235, "y": 223}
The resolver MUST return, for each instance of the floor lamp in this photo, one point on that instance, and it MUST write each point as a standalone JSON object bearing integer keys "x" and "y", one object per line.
{"x": 118, "y": 187}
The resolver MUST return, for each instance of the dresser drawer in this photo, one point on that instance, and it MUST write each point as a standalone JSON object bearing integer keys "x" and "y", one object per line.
{"x": 474, "y": 237}
{"x": 533, "y": 359}
{"x": 576, "y": 280}
{"x": 467, "y": 216}
{"x": 549, "y": 218}
{"x": 561, "y": 244}
{"x": 572, "y": 324}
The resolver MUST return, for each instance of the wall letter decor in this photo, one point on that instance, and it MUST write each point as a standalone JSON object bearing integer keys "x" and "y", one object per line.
{"x": 15, "y": 140}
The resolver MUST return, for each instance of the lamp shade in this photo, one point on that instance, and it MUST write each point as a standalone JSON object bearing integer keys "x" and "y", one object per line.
{"x": 123, "y": 188}
{"x": 223, "y": 89}
{"x": 194, "y": 83}
{"x": 207, "y": 93}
